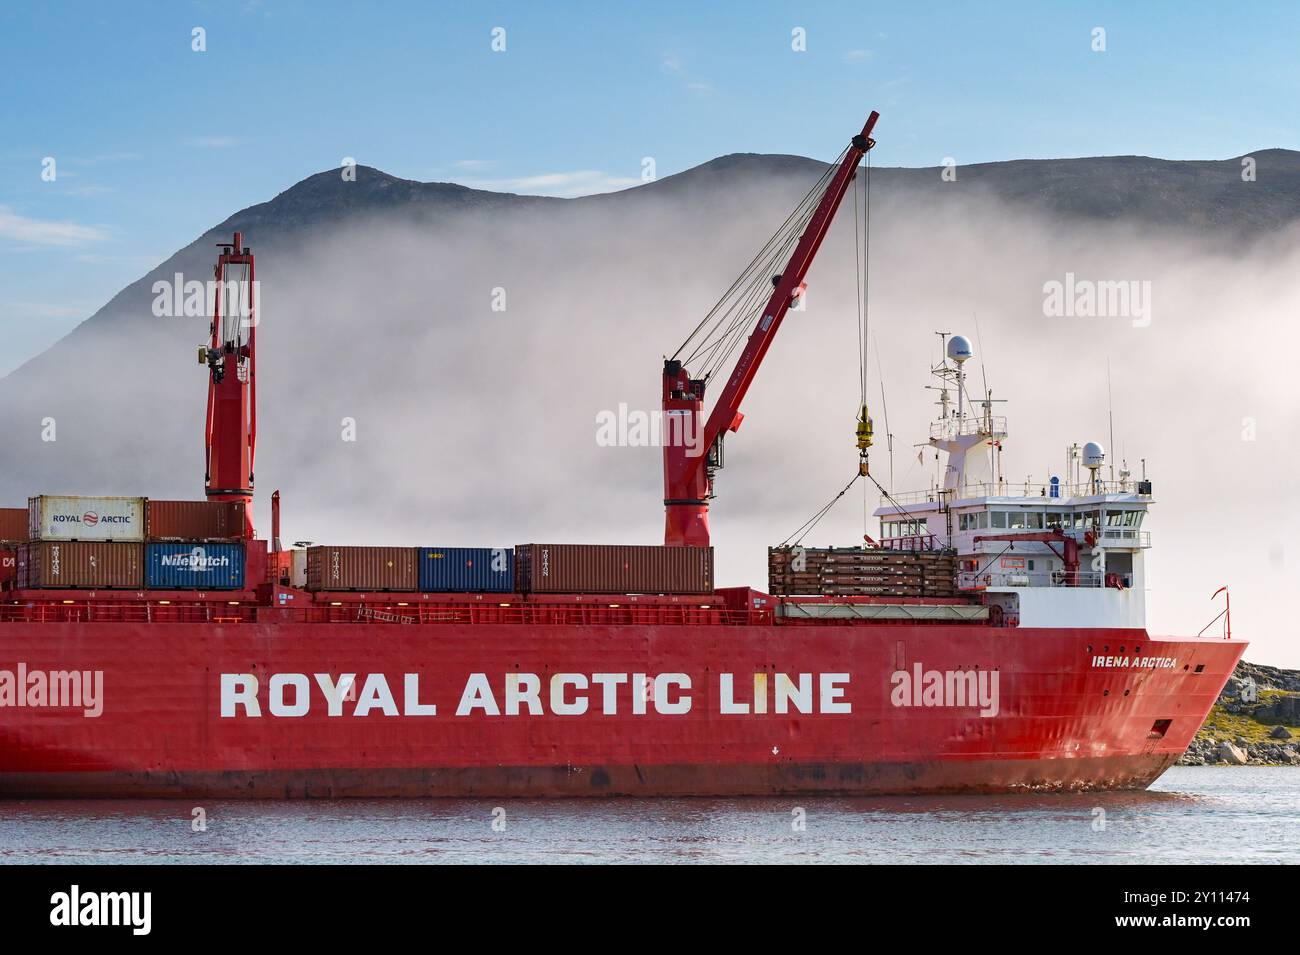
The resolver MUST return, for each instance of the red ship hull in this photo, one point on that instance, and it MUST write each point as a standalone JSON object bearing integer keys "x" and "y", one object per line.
{"x": 245, "y": 709}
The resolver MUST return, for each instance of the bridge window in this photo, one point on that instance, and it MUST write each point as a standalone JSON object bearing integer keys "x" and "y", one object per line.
{"x": 999, "y": 519}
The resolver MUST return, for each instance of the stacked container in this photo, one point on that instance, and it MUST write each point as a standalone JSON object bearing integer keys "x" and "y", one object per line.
{"x": 80, "y": 542}
{"x": 613, "y": 569}
{"x": 194, "y": 566}
{"x": 467, "y": 569}
{"x": 54, "y": 517}
{"x": 361, "y": 568}
{"x": 195, "y": 520}
{"x": 195, "y": 545}
{"x": 13, "y": 533}
{"x": 81, "y": 564}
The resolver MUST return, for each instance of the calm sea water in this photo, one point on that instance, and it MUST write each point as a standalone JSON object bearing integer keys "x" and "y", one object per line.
{"x": 1191, "y": 815}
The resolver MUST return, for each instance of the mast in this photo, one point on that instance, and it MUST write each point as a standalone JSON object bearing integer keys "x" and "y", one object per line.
{"x": 230, "y": 433}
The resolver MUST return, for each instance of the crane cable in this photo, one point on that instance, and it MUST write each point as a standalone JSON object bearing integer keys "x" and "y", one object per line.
{"x": 725, "y": 326}
{"x": 861, "y": 262}
{"x": 802, "y": 531}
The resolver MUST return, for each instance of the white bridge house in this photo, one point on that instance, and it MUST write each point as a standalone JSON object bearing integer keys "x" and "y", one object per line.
{"x": 1068, "y": 553}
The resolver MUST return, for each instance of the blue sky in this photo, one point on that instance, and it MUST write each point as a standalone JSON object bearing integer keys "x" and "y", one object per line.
{"x": 155, "y": 143}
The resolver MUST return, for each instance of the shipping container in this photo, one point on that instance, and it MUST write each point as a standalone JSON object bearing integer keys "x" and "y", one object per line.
{"x": 190, "y": 521}
{"x": 55, "y": 517}
{"x": 467, "y": 569}
{"x": 81, "y": 564}
{"x": 298, "y": 569}
{"x": 13, "y": 523}
{"x": 198, "y": 565}
{"x": 8, "y": 567}
{"x": 613, "y": 569}
{"x": 361, "y": 568}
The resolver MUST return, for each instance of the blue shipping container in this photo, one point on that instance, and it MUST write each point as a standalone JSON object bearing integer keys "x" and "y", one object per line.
{"x": 173, "y": 566}
{"x": 467, "y": 569}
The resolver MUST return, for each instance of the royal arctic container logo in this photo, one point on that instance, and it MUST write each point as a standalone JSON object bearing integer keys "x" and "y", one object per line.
{"x": 87, "y": 518}
{"x": 91, "y": 519}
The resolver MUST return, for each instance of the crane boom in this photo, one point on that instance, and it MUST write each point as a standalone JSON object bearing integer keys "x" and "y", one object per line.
{"x": 691, "y": 455}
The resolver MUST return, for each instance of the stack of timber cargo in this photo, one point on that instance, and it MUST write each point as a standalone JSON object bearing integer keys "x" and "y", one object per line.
{"x": 860, "y": 571}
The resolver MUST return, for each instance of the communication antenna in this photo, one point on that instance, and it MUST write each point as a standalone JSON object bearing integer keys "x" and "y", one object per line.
{"x": 958, "y": 349}
{"x": 1110, "y": 402}
{"x": 889, "y": 435}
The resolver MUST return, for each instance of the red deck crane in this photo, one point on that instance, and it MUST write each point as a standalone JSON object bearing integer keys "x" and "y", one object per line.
{"x": 691, "y": 457}
{"x": 230, "y": 434}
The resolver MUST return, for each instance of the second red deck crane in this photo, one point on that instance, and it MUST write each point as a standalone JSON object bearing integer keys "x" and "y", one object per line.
{"x": 230, "y": 427}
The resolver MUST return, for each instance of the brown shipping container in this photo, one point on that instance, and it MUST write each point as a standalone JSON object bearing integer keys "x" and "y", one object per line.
{"x": 361, "y": 568}
{"x": 81, "y": 564}
{"x": 194, "y": 520}
{"x": 13, "y": 523}
{"x": 613, "y": 569}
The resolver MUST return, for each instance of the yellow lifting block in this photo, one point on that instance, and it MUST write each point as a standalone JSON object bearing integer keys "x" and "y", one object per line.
{"x": 866, "y": 429}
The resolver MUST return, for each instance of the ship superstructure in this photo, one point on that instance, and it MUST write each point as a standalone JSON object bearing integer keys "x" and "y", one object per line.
{"x": 1068, "y": 551}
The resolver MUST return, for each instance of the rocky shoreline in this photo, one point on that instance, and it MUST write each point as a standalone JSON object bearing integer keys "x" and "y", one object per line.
{"x": 1255, "y": 721}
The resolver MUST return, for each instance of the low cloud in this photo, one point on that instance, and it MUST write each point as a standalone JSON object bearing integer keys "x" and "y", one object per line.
{"x": 46, "y": 232}
{"x": 580, "y": 182}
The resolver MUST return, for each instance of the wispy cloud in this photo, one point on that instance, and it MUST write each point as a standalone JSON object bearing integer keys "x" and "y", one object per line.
{"x": 87, "y": 190}
{"x": 473, "y": 163}
{"x": 46, "y": 232}
{"x": 213, "y": 142}
{"x": 675, "y": 66}
{"x": 580, "y": 182}
{"x": 858, "y": 56}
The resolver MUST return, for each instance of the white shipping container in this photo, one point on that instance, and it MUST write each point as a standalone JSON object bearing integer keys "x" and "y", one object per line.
{"x": 298, "y": 568}
{"x": 55, "y": 517}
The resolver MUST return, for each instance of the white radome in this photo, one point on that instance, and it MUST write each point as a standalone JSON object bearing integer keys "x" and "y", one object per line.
{"x": 959, "y": 349}
{"x": 1094, "y": 455}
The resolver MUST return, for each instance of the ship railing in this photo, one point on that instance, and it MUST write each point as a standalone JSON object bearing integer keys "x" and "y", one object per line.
{"x": 1044, "y": 492}
{"x": 914, "y": 542}
{"x": 949, "y": 428}
{"x": 379, "y": 614}
{"x": 982, "y": 580}
{"x": 117, "y": 611}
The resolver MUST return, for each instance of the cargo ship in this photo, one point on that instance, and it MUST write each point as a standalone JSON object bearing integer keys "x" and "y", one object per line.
{"x": 989, "y": 639}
